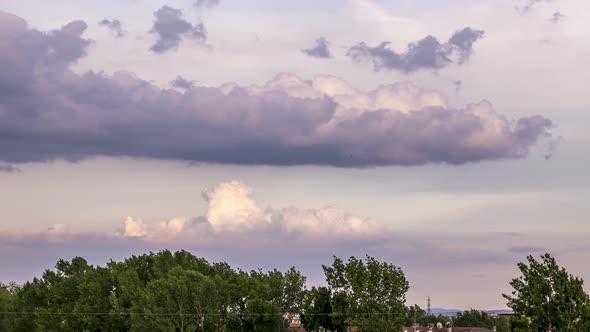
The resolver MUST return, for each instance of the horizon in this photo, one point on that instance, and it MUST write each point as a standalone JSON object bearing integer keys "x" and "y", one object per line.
{"x": 449, "y": 140}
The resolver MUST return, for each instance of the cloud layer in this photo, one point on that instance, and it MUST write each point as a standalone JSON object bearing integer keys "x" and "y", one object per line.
{"x": 427, "y": 53}
{"x": 237, "y": 230}
{"x": 49, "y": 112}
{"x": 232, "y": 216}
{"x": 9, "y": 169}
{"x": 233, "y": 212}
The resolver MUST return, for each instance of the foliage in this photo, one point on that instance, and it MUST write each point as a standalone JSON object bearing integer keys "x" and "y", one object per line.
{"x": 162, "y": 291}
{"x": 549, "y": 298}
{"x": 318, "y": 311}
{"x": 416, "y": 315}
{"x": 477, "y": 318}
{"x": 369, "y": 295}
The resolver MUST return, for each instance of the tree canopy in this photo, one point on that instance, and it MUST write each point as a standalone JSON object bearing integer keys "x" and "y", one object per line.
{"x": 162, "y": 291}
{"x": 168, "y": 291}
{"x": 177, "y": 291}
{"x": 548, "y": 298}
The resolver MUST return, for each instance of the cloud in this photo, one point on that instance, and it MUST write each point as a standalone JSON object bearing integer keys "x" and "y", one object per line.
{"x": 525, "y": 6}
{"x": 9, "y": 169}
{"x": 232, "y": 212}
{"x": 27, "y": 53}
{"x": 526, "y": 250}
{"x": 427, "y": 53}
{"x": 206, "y": 3}
{"x": 113, "y": 25}
{"x": 232, "y": 216}
{"x": 164, "y": 231}
{"x": 557, "y": 17}
{"x": 319, "y": 50}
{"x": 48, "y": 112}
{"x": 56, "y": 234}
{"x": 182, "y": 83}
{"x": 235, "y": 229}
{"x": 171, "y": 28}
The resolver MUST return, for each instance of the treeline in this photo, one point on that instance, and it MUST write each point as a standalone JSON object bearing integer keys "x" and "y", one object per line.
{"x": 168, "y": 291}
{"x": 470, "y": 318}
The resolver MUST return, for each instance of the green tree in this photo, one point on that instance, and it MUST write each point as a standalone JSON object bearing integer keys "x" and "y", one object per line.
{"x": 262, "y": 316}
{"x": 7, "y": 297}
{"x": 478, "y": 318}
{"x": 317, "y": 312}
{"x": 369, "y": 295}
{"x": 181, "y": 301}
{"x": 415, "y": 314}
{"x": 549, "y": 297}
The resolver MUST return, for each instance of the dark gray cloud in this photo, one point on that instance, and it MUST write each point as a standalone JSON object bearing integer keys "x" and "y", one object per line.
{"x": 27, "y": 53}
{"x": 9, "y": 169}
{"x": 114, "y": 25}
{"x": 182, "y": 83}
{"x": 48, "y": 112}
{"x": 557, "y": 17}
{"x": 427, "y": 53}
{"x": 461, "y": 43}
{"x": 66, "y": 45}
{"x": 171, "y": 28}
{"x": 319, "y": 50}
{"x": 206, "y": 3}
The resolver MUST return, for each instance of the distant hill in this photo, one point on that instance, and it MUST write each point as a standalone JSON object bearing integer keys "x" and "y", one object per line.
{"x": 453, "y": 312}
{"x": 445, "y": 312}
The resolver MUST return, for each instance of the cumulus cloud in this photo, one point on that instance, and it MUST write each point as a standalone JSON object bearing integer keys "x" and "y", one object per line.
{"x": 171, "y": 28}
{"x": 232, "y": 208}
{"x": 427, "y": 53}
{"x": 9, "y": 169}
{"x": 182, "y": 83}
{"x": 236, "y": 230}
{"x": 319, "y": 50}
{"x": 233, "y": 218}
{"x": 114, "y": 25}
{"x": 163, "y": 231}
{"x": 27, "y": 53}
{"x": 49, "y": 112}
{"x": 232, "y": 211}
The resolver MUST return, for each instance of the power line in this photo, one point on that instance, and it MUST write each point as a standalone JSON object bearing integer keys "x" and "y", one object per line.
{"x": 183, "y": 314}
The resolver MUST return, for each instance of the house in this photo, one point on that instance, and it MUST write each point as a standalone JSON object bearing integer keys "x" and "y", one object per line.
{"x": 297, "y": 327}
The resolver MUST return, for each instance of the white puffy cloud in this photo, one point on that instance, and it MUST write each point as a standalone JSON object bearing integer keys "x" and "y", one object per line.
{"x": 154, "y": 232}
{"x": 231, "y": 210}
{"x": 327, "y": 221}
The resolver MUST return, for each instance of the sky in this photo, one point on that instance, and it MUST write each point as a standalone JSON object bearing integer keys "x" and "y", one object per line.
{"x": 448, "y": 138}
